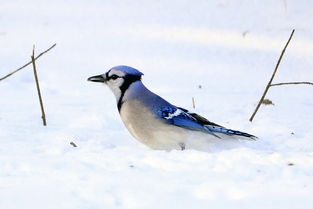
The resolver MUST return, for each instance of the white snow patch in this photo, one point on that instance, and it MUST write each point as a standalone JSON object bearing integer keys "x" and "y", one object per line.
{"x": 228, "y": 47}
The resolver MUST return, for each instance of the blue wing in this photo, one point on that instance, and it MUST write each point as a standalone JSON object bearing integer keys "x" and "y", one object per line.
{"x": 181, "y": 117}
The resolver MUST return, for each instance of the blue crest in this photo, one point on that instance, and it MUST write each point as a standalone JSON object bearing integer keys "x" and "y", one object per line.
{"x": 128, "y": 70}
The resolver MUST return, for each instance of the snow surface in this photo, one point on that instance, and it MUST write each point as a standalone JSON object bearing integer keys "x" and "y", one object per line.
{"x": 228, "y": 47}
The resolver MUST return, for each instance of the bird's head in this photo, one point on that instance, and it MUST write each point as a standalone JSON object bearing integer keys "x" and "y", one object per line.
{"x": 118, "y": 79}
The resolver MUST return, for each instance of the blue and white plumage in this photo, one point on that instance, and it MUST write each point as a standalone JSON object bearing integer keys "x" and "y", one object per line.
{"x": 154, "y": 121}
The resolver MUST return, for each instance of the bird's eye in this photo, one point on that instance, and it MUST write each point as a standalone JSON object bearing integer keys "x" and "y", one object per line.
{"x": 114, "y": 77}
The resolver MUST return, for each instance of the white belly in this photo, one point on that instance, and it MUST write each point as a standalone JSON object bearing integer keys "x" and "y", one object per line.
{"x": 149, "y": 130}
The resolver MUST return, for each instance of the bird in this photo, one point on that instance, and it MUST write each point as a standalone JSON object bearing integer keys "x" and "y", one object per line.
{"x": 155, "y": 122}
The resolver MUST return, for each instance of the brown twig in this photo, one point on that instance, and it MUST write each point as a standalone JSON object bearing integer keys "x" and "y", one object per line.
{"x": 193, "y": 103}
{"x": 38, "y": 88}
{"x": 271, "y": 80}
{"x": 291, "y": 83}
{"x": 42, "y": 53}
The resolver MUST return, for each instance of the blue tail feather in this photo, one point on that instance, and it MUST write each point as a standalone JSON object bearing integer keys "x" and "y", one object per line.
{"x": 217, "y": 129}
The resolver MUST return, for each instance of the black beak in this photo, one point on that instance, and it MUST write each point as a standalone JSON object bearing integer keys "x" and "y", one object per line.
{"x": 97, "y": 78}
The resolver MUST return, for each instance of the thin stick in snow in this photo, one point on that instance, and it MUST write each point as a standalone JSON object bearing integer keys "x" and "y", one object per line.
{"x": 262, "y": 100}
{"x": 38, "y": 88}
{"x": 42, "y": 53}
{"x": 193, "y": 103}
{"x": 291, "y": 83}
{"x": 271, "y": 80}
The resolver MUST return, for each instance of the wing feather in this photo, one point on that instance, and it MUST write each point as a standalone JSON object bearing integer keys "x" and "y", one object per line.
{"x": 181, "y": 117}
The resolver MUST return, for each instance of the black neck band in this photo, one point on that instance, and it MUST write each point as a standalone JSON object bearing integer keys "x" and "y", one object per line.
{"x": 128, "y": 80}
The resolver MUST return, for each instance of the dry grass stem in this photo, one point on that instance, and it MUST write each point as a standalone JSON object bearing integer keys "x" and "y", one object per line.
{"x": 42, "y": 53}
{"x": 271, "y": 80}
{"x": 38, "y": 88}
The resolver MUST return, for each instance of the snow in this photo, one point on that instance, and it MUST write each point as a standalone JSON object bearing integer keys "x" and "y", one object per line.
{"x": 228, "y": 47}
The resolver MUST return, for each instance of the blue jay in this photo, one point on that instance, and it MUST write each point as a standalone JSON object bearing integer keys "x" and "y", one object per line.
{"x": 155, "y": 122}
